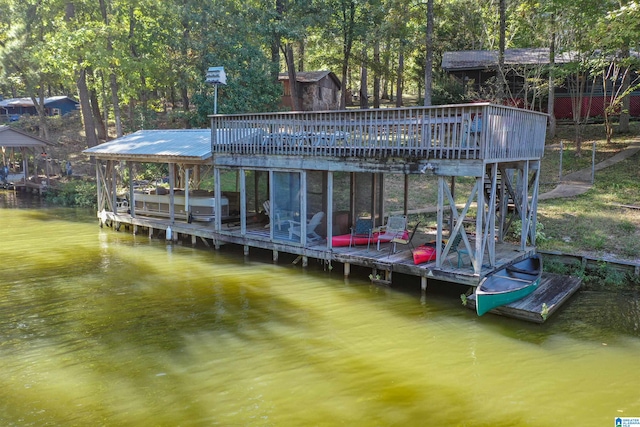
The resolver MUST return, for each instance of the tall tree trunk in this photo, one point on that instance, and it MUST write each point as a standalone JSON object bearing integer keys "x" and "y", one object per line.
{"x": 376, "y": 74}
{"x": 301, "y": 53}
{"x": 428, "y": 65}
{"x": 183, "y": 82}
{"x": 364, "y": 95}
{"x": 276, "y": 43}
{"x": 117, "y": 113}
{"x": 83, "y": 90}
{"x": 85, "y": 108}
{"x": 551, "y": 100}
{"x": 97, "y": 115}
{"x": 113, "y": 82}
{"x": 400, "y": 80}
{"x": 623, "y": 125}
{"x": 502, "y": 82}
{"x": 294, "y": 88}
{"x": 348, "y": 16}
{"x": 38, "y": 103}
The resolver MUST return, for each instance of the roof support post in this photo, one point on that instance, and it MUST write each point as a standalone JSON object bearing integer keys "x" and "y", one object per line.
{"x": 329, "y": 208}
{"x": 132, "y": 211}
{"x": 243, "y": 201}
{"x": 218, "y": 202}
{"x": 172, "y": 183}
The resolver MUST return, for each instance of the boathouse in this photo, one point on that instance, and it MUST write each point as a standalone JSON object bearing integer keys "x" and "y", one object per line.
{"x": 298, "y": 182}
{"x": 21, "y": 154}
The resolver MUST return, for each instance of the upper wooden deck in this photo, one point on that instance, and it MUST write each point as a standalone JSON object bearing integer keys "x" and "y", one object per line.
{"x": 485, "y": 132}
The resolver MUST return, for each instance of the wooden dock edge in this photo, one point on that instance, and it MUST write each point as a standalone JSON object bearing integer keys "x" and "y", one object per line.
{"x": 553, "y": 291}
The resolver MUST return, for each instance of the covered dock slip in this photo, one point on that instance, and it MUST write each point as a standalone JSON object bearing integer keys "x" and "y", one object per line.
{"x": 302, "y": 183}
{"x": 20, "y": 155}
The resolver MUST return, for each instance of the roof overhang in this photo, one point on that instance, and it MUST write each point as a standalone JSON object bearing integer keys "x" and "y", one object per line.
{"x": 191, "y": 146}
{"x": 12, "y": 137}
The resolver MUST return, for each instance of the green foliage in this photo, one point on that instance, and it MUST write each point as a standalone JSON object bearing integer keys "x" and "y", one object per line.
{"x": 602, "y": 275}
{"x": 73, "y": 194}
{"x": 448, "y": 90}
{"x": 463, "y": 298}
{"x": 517, "y": 231}
{"x": 544, "y": 311}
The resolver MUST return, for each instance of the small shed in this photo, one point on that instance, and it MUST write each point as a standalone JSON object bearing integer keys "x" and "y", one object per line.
{"x": 12, "y": 108}
{"x": 320, "y": 90}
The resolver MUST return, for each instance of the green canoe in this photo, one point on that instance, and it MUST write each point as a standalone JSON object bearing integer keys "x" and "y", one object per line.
{"x": 508, "y": 284}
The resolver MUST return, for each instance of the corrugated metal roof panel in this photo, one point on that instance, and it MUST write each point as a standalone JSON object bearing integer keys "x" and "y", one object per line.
{"x": 480, "y": 59}
{"x": 192, "y": 144}
{"x": 11, "y": 137}
{"x": 27, "y": 102}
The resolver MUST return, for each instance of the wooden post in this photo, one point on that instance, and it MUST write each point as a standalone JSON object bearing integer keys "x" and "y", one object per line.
{"x": 423, "y": 283}
{"x": 246, "y": 250}
{"x": 329, "y": 209}
{"x": 243, "y": 204}
{"x": 347, "y": 269}
{"x": 275, "y": 253}
{"x": 132, "y": 211}
{"x": 172, "y": 183}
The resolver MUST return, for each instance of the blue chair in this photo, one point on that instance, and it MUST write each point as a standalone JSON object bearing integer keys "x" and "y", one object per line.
{"x": 454, "y": 249}
{"x": 363, "y": 228}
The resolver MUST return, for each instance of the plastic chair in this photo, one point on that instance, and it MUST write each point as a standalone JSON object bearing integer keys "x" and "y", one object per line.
{"x": 312, "y": 236}
{"x": 273, "y": 214}
{"x": 396, "y": 227}
{"x": 459, "y": 252}
{"x": 363, "y": 228}
{"x": 404, "y": 241}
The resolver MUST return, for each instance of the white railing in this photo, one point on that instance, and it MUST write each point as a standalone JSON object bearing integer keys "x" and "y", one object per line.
{"x": 471, "y": 131}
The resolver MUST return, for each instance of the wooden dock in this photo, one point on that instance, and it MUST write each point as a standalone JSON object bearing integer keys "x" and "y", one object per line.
{"x": 552, "y": 292}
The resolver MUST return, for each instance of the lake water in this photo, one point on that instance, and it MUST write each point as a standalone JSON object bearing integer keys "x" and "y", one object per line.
{"x": 103, "y": 328}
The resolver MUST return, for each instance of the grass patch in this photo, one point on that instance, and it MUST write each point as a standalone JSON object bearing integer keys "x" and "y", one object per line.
{"x": 596, "y": 221}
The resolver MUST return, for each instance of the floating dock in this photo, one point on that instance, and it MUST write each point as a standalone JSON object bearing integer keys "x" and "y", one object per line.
{"x": 553, "y": 291}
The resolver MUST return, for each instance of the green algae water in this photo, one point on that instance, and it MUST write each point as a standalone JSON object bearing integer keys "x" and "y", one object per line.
{"x": 103, "y": 328}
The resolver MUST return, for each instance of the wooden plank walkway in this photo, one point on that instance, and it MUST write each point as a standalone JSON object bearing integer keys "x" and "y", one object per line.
{"x": 553, "y": 291}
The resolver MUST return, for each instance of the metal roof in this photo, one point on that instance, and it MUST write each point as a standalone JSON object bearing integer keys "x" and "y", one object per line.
{"x": 27, "y": 102}
{"x": 12, "y": 137}
{"x": 481, "y": 59}
{"x": 311, "y": 77}
{"x": 175, "y": 145}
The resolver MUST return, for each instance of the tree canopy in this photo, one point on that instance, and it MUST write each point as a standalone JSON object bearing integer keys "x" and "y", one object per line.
{"x": 129, "y": 61}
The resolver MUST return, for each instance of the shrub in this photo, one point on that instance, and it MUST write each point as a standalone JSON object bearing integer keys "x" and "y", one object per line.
{"x": 73, "y": 193}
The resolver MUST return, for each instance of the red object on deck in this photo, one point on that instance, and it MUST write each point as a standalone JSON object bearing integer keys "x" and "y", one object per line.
{"x": 344, "y": 239}
{"x": 423, "y": 254}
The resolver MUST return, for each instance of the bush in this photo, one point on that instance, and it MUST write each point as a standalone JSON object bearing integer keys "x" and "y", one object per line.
{"x": 73, "y": 193}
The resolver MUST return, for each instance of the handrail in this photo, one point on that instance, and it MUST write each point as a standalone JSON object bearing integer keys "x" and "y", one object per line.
{"x": 466, "y": 131}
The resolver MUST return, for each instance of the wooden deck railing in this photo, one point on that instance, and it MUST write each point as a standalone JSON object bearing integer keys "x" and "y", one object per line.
{"x": 471, "y": 131}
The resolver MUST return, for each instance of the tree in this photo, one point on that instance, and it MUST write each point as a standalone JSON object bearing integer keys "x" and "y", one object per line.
{"x": 428, "y": 66}
{"x": 619, "y": 31}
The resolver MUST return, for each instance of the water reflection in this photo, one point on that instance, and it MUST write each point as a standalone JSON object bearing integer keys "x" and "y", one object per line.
{"x": 105, "y": 328}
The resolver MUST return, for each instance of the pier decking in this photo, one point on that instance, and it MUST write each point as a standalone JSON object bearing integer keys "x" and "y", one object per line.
{"x": 382, "y": 261}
